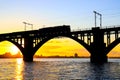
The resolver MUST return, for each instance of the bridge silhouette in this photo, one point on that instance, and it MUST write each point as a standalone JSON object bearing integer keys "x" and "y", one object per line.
{"x": 93, "y": 40}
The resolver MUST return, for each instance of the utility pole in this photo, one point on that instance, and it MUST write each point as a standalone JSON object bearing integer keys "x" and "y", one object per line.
{"x": 100, "y": 20}
{"x": 27, "y": 24}
{"x": 96, "y": 18}
{"x": 31, "y": 25}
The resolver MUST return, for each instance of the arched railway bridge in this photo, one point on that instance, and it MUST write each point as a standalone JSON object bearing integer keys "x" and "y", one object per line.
{"x": 98, "y": 41}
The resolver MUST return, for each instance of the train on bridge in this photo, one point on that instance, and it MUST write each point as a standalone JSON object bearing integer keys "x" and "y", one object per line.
{"x": 55, "y": 29}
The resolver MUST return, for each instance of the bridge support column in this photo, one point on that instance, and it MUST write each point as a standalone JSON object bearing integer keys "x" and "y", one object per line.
{"x": 98, "y": 59}
{"x": 28, "y": 49}
{"x": 27, "y": 58}
{"x": 98, "y": 46}
{"x": 98, "y": 53}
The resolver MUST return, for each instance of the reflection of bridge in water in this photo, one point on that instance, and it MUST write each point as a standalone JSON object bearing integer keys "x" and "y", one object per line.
{"x": 97, "y": 41}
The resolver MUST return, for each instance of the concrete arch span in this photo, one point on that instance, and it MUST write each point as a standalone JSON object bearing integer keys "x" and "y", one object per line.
{"x": 87, "y": 47}
{"x": 112, "y": 45}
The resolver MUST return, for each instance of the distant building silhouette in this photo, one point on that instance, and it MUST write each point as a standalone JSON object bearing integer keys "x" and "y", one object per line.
{"x": 76, "y": 55}
{"x": 9, "y": 55}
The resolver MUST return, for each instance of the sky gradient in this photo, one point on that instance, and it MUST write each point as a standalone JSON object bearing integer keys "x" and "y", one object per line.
{"x": 45, "y": 13}
{"x": 77, "y": 13}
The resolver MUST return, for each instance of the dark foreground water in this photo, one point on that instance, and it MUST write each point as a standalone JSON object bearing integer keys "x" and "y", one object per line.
{"x": 58, "y": 69}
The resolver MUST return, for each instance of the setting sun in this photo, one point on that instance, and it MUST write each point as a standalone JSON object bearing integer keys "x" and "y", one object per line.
{"x": 14, "y": 50}
{"x": 7, "y": 46}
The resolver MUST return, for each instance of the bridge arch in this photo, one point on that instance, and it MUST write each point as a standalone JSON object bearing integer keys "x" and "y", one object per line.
{"x": 76, "y": 39}
{"x": 112, "y": 45}
{"x": 16, "y": 44}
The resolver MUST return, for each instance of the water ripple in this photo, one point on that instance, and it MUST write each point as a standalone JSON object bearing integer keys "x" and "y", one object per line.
{"x": 58, "y": 69}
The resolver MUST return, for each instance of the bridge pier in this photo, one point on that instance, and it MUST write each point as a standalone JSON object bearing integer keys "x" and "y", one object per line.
{"x": 98, "y": 59}
{"x": 28, "y": 49}
{"x": 98, "y": 54}
{"x": 27, "y": 58}
{"x": 98, "y": 46}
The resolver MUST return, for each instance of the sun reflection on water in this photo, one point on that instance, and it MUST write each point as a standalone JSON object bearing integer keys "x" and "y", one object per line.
{"x": 19, "y": 69}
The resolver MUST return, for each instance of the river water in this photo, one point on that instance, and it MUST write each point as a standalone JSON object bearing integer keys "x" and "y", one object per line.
{"x": 58, "y": 69}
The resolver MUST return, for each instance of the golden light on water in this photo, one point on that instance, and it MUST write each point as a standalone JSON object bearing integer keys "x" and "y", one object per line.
{"x": 19, "y": 69}
{"x": 19, "y": 61}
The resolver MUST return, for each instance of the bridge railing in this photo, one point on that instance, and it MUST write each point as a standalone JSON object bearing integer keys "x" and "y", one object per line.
{"x": 112, "y": 26}
{"x": 81, "y": 29}
{"x": 85, "y": 29}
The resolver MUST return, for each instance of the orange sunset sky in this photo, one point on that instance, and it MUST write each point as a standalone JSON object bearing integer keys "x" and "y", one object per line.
{"x": 62, "y": 47}
{"x": 46, "y": 13}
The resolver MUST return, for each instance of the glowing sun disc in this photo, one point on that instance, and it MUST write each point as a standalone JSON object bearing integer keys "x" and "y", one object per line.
{"x": 14, "y": 50}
